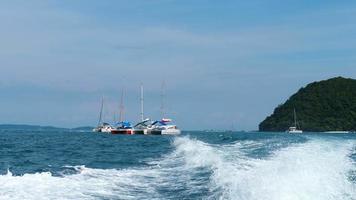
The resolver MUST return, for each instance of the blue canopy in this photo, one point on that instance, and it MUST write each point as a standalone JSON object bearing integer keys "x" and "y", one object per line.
{"x": 161, "y": 123}
{"x": 124, "y": 124}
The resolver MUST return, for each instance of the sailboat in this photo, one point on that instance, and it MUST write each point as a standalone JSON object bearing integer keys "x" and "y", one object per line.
{"x": 102, "y": 127}
{"x": 144, "y": 126}
{"x": 294, "y": 129}
{"x": 122, "y": 127}
{"x": 164, "y": 126}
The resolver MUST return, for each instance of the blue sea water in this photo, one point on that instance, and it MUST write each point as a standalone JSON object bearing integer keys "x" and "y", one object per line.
{"x": 194, "y": 165}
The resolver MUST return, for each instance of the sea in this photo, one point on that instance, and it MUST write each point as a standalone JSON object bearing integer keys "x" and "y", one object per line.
{"x": 194, "y": 165}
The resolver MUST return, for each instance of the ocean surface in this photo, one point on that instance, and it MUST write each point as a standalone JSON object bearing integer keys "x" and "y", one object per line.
{"x": 195, "y": 165}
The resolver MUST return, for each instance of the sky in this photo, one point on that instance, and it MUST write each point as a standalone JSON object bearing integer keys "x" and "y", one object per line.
{"x": 224, "y": 63}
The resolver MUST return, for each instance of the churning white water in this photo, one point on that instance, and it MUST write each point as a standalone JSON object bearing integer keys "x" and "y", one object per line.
{"x": 316, "y": 169}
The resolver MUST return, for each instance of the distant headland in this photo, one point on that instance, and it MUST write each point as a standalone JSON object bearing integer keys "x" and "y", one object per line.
{"x": 13, "y": 127}
{"x": 328, "y": 105}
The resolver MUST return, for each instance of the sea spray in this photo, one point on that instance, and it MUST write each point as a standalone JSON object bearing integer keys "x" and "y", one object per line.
{"x": 317, "y": 169}
{"x": 247, "y": 166}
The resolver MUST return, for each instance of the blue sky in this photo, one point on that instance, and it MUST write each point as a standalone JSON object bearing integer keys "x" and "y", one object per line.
{"x": 224, "y": 62}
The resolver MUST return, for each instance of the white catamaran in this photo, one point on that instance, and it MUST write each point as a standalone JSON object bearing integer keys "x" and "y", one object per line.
{"x": 294, "y": 129}
{"x": 123, "y": 127}
{"x": 144, "y": 127}
{"x": 102, "y": 127}
{"x": 163, "y": 126}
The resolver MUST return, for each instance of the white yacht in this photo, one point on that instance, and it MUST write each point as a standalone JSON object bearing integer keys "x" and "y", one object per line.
{"x": 163, "y": 127}
{"x": 102, "y": 127}
{"x": 294, "y": 129}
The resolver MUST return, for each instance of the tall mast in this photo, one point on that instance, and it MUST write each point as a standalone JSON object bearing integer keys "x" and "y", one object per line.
{"x": 295, "y": 118}
{"x": 163, "y": 95}
{"x": 141, "y": 99}
{"x": 121, "y": 116}
{"x": 114, "y": 117}
{"x": 101, "y": 111}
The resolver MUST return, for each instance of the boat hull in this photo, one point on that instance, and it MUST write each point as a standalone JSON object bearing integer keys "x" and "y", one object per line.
{"x": 142, "y": 131}
{"x": 166, "y": 132}
{"x": 123, "y": 131}
{"x": 295, "y": 132}
{"x": 103, "y": 130}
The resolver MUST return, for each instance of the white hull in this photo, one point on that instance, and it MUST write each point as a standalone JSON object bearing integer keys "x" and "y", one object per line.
{"x": 166, "y": 132}
{"x": 171, "y": 132}
{"x": 295, "y": 131}
{"x": 105, "y": 129}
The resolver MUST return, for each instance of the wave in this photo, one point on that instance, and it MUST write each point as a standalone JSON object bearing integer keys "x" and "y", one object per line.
{"x": 316, "y": 169}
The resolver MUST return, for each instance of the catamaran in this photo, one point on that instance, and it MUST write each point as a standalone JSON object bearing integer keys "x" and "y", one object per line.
{"x": 122, "y": 127}
{"x": 102, "y": 127}
{"x": 294, "y": 129}
{"x": 163, "y": 127}
{"x": 144, "y": 127}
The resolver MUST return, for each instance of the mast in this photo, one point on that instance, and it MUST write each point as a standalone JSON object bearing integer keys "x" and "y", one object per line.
{"x": 141, "y": 99}
{"x": 163, "y": 95}
{"x": 114, "y": 117}
{"x": 101, "y": 111}
{"x": 295, "y": 119}
{"x": 121, "y": 116}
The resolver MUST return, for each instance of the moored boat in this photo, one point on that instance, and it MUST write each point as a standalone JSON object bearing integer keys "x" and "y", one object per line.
{"x": 163, "y": 127}
{"x": 102, "y": 127}
{"x": 123, "y": 128}
{"x": 294, "y": 129}
{"x": 144, "y": 127}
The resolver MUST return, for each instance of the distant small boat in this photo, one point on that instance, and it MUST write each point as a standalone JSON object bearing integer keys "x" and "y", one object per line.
{"x": 294, "y": 129}
{"x": 102, "y": 127}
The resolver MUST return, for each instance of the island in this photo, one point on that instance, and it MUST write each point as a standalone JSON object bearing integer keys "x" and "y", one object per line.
{"x": 328, "y": 105}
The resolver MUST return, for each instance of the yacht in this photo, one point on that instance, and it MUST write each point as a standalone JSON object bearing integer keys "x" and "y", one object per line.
{"x": 163, "y": 127}
{"x": 102, "y": 127}
{"x": 123, "y": 128}
{"x": 144, "y": 127}
{"x": 294, "y": 129}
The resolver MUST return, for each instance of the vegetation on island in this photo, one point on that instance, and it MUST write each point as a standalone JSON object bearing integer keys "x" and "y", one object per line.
{"x": 328, "y": 105}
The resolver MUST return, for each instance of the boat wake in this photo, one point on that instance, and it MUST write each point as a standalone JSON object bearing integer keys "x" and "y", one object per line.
{"x": 316, "y": 169}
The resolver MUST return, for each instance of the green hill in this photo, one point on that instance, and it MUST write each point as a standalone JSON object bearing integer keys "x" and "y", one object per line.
{"x": 321, "y": 106}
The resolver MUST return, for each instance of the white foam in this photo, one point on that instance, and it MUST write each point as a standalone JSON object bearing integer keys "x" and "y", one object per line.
{"x": 88, "y": 184}
{"x": 314, "y": 170}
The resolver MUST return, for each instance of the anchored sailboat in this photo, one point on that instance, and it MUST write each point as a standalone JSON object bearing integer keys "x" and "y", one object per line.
{"x": 102, "y": 126}
{"x": 163, "y": 126}
{"x": 122, "y": 127}
{"x": 294, "y": 129}
{"x": 144, "y": 126}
